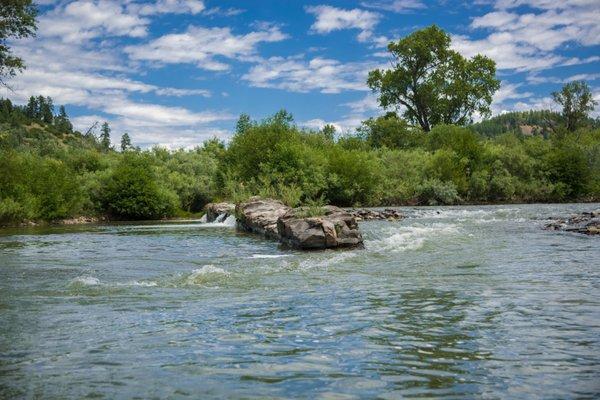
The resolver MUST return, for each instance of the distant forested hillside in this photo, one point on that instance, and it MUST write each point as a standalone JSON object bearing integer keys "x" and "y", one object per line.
{"x": 528, "y": 123}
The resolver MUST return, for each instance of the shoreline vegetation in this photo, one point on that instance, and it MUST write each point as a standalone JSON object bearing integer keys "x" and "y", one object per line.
{"x": 424, "y": 150}
{"x": 52, "y": 173}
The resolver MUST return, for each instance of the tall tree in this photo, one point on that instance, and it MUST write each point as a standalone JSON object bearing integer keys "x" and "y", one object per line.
{"x": 47, "y": 110}
{"x": 17, "y": 20}
{"x": 434, "y": 84}
{"x": 125, "y": 142}
{"x": 41, "y": 100}
{"x": 243, "y": 124}
{"x": 577, "y": 102}
{"x": 105, "y": 136}
{"x": 62, "y": 120}
{"x": 32, "y": 108}
{"x": 328, "y": 131}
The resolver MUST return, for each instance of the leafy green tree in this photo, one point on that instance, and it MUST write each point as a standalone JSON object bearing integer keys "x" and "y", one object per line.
{"x": 17, "y": 21}
{"x": 567, "y": 166}
{"x": 281, "y": 117}
{"x": 125, "y": 142}
{"x": 105, "y": 136}
{"x": 577, "y": 102}
{"x": 214, "y": 146}
{"x": 243, "y": 124}
{"x": 354, "y": 177}
{"x": 434, "y": 84}
{"x": 389, "y": 131}
{"x": 328, "y": 131}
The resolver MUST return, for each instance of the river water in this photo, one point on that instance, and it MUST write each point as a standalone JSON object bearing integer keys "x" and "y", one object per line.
{"x": 458, "y": 302}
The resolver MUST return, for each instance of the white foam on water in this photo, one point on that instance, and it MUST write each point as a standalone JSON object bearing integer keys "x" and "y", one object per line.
{"x": 406, "y": 238}
{"x": 204, "y": 218}
{"x": 466, "y": 214}
{"x": 208, "y": 273}
{"x": 220, "y": 217}
{"x": 142, "y": 283}
{"x": 85, "y": 281}
{"x": 269, "y": 255}
{"x": 230, "y": 221}
{"x": 93, "y": 281}
{"x": 220, "y": 222}
{"x": 330, "y": 259}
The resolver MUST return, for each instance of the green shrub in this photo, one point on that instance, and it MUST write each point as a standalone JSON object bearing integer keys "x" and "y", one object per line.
{"x": 354, "y": 177}
{"x": 435, "y": 192}
{"x": 133, "y": 191}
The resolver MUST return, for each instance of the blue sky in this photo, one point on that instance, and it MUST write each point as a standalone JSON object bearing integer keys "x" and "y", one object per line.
{"x": 176, "y": 72}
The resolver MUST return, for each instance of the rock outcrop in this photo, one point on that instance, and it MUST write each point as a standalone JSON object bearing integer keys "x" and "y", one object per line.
{"x": 586, "y": 222}
{"x": 336, "y": 228}
{"x": 293, "y": 227}
{"x": 260, "y": 216}
{"x": 388, "y": 214}
{"x": 220, "y": 211}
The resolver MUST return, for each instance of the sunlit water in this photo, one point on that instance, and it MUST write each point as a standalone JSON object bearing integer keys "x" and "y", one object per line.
{"x": 465, "y": 302}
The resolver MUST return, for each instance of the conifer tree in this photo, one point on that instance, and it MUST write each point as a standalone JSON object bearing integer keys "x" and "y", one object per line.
{"x": 32, "y": 108}
{"x": 62, "y": 120}
{"x": 105, "y": 136}
{"x": 48, "y": 111}
{"x": 125, "y": 142}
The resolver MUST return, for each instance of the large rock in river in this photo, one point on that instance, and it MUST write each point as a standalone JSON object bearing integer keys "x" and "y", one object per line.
{"x": 335, "y": 228}
{"x": 260, "y": 216}
{"x": 220, "y": 211}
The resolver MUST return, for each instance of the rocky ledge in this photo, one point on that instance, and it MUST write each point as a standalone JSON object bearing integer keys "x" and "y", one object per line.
{"x": 298, "y": 227}
{"x": 218, "y": 212}
{"x": 335, "y": 228}
{"x": 260, "y": 216}
{"x": 586, "y": 222}
{"x": 388, "y": 214}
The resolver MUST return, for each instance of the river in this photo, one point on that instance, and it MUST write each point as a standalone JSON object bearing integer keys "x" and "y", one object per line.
{"x": 457, "y": 302}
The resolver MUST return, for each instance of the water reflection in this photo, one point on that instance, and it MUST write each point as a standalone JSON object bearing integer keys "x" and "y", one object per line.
{"x": 424, "y": 344}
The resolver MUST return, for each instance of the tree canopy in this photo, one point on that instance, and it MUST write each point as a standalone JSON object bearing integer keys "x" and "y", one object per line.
{"x": 434, "y": 84}
{"x": 577, "y": 101}
{"x": 17, "y": 21}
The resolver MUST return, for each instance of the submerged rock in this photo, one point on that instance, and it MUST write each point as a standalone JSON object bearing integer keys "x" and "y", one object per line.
{"x": 216, "y": 211}
{"x": 586, "y": 222}
{"x": 388, "y": 214}
{"x": 260, "y": 216}
{"x": 335, "y": 228}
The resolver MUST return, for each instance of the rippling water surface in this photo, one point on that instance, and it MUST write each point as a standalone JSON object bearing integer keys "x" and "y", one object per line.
{"x": 460, "y": 302}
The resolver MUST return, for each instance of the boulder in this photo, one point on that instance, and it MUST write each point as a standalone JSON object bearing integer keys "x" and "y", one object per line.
{"x": 260, "y": 216}
{"x": 214, "y": 210}
{"x": 336, "y": 228}
{"x": 587, "y": 223}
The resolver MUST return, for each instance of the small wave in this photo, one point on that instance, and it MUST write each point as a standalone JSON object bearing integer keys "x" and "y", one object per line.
{"x": 451, "y": 213}
{"x": 142, "y": 283}
{"x": 93, "y": 281}
{"x": 269, "y": 255}
{"x": 85, "y": 281}
{"x": 406, "y": 238}
{"x": 206, "y": 274}
{"x": 318, "y": 262}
